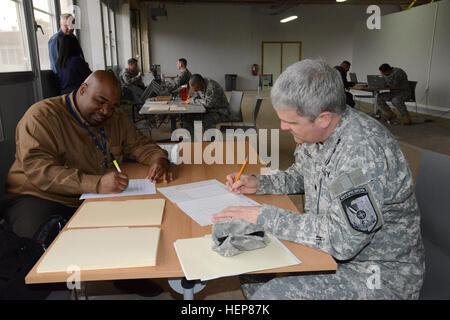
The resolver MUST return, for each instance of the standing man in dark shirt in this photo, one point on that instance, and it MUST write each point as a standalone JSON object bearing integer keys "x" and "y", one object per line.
{"x": 66, "y": 24}
{"x": 343, "y": 69}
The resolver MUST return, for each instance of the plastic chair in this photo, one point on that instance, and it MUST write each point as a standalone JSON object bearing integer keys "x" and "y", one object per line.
{"x": 235, "y": 105}
{"x": 245, "y": 126}
{"x": 432, "y": 190}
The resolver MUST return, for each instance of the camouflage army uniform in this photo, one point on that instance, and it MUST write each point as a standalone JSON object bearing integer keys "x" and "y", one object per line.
{"x": 180, "y": 80}
{"x": 397, "y": 79}
{"x": 132, "y": 82}
{"x": 213, "y": 98}
{"x": 361, "y": 161}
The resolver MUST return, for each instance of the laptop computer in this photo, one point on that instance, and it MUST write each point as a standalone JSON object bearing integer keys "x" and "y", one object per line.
{"x": 354, "y": 79}
{"x": 376, "y": 81}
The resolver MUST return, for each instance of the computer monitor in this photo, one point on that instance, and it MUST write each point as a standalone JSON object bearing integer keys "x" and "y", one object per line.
{"x": 376, "y": 81}
{"x": 353, "y": 77}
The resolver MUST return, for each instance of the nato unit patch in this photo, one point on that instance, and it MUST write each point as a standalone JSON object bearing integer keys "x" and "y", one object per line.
{"x": 360, "y": 211}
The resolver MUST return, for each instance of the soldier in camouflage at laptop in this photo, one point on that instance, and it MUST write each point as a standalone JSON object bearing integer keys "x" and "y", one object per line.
{"x": 396, "y": 79}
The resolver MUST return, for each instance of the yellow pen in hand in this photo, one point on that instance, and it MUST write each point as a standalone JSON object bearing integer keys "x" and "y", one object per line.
{"x": 115, "y": 163}
{"x": 242, "y": 169}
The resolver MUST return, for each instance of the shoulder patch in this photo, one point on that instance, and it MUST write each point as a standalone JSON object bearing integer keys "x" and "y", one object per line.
{"x": 355, "y": 199}
{"x": 359, "y": 209}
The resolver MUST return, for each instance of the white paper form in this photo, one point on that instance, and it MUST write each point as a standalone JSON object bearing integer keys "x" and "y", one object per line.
{"x": 135, "y": 187}
{"x": 200, "y": 200}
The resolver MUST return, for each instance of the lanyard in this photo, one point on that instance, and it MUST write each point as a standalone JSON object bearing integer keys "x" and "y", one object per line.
{"x": 102, "y": 147}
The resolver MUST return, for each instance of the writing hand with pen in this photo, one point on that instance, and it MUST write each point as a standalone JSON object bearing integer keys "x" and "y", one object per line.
{"x": 240, "y": 184}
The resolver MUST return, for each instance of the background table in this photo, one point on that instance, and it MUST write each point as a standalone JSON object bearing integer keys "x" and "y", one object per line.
{"x": 177, "y": 225}
{"x": 190, "y": 109}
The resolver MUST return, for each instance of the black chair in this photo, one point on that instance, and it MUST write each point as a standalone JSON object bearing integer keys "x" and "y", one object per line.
{"x": 8, "y": 152}
{"x": 432, "y": 192}
{"x": 245, "y": 126}
{"x": 412, "y": 93}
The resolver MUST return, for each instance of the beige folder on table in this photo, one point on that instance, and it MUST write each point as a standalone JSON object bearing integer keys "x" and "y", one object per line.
{"x": 102, "y": 248}
{"x": 141, "y": 212}
{"x": 199, "y": 261}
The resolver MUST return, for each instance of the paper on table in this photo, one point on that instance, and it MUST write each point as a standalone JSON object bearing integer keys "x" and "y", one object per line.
{"x": 200, "y": 200}
{"x": 135, "y": 187}
{"x": 202, "y": 210}
{"x": 102, "y": 248}
{"x": 175, "y": 107}
{"x": 147, "y": 78}
{"x": 142, "y": 212}
{"x": 173, "y": 150}
{"x": 199, "y": 261}
{"x": 158, "y": 107}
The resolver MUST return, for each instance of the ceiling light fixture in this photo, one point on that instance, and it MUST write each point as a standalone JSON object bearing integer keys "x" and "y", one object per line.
{"x": 341, "y": 0}
{"x": 288, "y": 19}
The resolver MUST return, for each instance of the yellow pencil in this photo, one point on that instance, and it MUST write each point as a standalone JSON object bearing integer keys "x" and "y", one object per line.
{"x": 242, "y": 169}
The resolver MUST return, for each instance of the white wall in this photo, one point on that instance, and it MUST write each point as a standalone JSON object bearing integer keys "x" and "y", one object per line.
{"x": 405, "y": 40}
{"x": 217, "y": 39}
{"x": 124, "y": 34}
{"x": 91, "y": 37}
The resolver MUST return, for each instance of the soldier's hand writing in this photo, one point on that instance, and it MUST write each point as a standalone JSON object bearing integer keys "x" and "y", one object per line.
{"x": 160, "y": 169}
{"x": 249, "y": 214}
{"x": 112, "y": 182}
{"x": 246, "y": 184}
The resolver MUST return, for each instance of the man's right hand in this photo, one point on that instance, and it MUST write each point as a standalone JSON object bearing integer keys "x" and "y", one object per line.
{"x": 246, "y": 184}
{"x": 112, "y": 182}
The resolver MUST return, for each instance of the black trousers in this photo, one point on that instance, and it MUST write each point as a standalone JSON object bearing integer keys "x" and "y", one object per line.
{"x": 26, "y": 214}
{"x": 349, "y": 99}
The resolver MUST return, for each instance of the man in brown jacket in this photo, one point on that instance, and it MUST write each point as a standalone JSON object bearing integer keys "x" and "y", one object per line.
{"x": 64, "y": 147}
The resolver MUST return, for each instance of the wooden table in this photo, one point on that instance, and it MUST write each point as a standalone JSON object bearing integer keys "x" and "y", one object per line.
{"x": 177, "y": 225}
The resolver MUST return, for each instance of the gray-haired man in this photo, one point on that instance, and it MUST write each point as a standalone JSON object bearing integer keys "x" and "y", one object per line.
{"x": 360, "y": 202}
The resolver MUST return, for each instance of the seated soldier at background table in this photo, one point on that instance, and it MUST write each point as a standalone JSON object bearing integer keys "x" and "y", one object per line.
{"x": 131, "y": 80}
{"x": 360, "y": 202}
{"x": 181, "y": 79}
{"x": 396, "y": 79}
{"x": 209, "y": 94}
{"x": 63, "y": 149}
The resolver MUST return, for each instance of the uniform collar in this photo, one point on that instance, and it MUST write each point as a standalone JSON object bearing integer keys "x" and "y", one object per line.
{"x": 322, "y": 152}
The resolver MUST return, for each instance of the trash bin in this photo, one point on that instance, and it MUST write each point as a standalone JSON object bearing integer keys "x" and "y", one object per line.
{"x": 230, "y": 82}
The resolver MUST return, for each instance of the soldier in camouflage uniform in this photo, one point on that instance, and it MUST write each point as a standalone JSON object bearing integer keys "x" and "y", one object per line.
{"x": 395, "y": 78}
{"x": 181, "y": 79}
{"x": 209, "y": 94}
{"x": 131, "y": 79}
{"x": 360, "y": 202}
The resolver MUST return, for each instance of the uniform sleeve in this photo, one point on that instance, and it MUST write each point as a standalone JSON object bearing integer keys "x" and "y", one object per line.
{"x": 330, "y": 231}
{"x": 283, "y": 182}
{"x": 137, "y": 146}
{"x": 127, "y": 79}
{"x": 42, "y": 164}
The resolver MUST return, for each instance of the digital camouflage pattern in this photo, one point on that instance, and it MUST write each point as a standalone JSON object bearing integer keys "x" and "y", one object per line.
{"x": 231, "y": 237}
{"x": 360, "y": 154}
{"x": 181, "y": 79}
{"x": 128, "y": 77}
{"x": 397, "y": 79}
{"x": 213, "y": 98}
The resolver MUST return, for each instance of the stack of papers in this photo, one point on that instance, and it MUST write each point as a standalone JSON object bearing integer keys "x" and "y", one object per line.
{"x": 158, "y": 107}
{"x": 135, "y": 187}
{"x": 200, "y": 200}
{"x": 102, "y": 248}
{"x": 143, "y": 212}
{"x": 199, "y": 261}
{"x": 175, "y": 107}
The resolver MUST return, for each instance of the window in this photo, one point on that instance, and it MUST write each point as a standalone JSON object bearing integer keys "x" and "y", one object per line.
{"x": 44, "y": 15}
{"x": 14, "y": 51}
{"x": 109, "y": 34}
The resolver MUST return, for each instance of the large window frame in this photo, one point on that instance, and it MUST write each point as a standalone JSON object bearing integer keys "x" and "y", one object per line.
{"x": 109, "y": 30}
